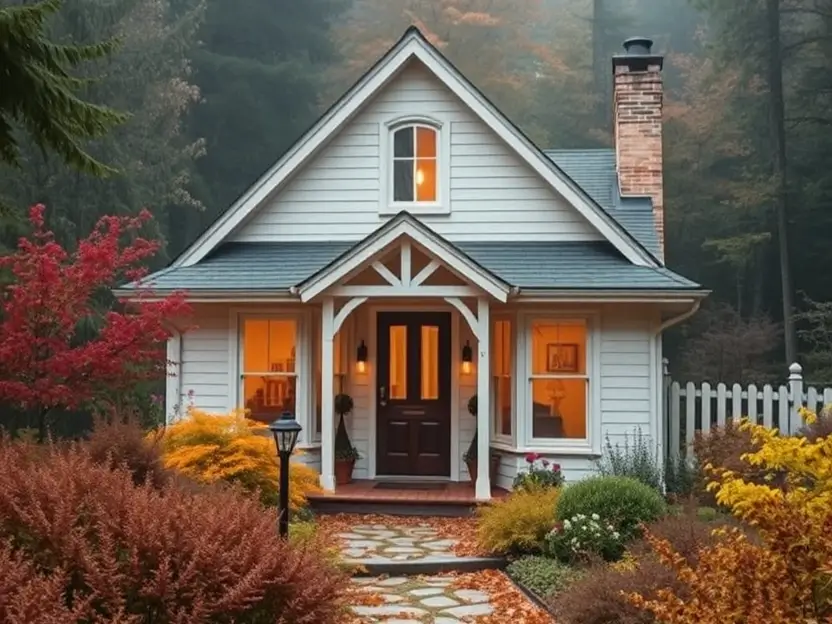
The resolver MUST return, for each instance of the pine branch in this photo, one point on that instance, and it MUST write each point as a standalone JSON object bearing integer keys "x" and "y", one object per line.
{"x": 39, "y": 90}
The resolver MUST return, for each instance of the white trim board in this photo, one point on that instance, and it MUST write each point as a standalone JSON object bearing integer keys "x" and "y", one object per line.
{"x": 413, "y": 45}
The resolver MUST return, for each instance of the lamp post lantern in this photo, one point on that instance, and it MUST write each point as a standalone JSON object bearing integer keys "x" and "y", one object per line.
{"x": 285, "y": 431}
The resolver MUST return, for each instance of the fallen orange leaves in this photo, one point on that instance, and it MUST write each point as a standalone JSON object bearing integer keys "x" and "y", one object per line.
{"x": 510, "y": 605}
{"x": 462, "y": 529}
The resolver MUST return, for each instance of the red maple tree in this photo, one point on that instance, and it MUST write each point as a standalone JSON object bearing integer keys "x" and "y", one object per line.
{"x": 46, "y": 362}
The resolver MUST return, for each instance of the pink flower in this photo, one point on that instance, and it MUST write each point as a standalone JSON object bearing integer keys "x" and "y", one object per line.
{"x": 532, "y": 458}
{"x": 545, "y": 463}
{"x": 555, "y": 467}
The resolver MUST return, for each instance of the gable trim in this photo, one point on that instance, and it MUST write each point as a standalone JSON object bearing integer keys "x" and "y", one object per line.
{"x": 414, "y": 45}
{"x": 402, "y": 225}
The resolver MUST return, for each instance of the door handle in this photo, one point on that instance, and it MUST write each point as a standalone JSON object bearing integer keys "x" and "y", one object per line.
{"x": 382, "y": 395}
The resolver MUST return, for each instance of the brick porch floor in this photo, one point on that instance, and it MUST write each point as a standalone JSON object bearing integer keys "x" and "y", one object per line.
{"x": 454, "y": 493}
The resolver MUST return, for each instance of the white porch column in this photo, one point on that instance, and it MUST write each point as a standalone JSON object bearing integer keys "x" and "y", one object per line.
{"x": 327, "y": 396}
{"x": 483, "y": 486}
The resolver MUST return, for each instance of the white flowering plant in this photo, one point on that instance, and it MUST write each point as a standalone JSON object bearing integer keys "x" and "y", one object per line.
{"x": 583, "y": 537}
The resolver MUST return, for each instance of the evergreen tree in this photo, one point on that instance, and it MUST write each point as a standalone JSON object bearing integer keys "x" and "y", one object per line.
{"x": 40, "y": 92}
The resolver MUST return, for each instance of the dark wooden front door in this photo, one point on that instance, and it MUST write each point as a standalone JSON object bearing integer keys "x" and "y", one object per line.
{"x": 413, "y": 392}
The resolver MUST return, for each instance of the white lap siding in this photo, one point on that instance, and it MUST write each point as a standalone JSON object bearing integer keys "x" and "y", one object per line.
{"x": 494, "y": 195}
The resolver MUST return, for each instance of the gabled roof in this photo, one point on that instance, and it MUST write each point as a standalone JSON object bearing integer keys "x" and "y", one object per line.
{"x": 413, "y": 45}
{"x": 403, "y": 225}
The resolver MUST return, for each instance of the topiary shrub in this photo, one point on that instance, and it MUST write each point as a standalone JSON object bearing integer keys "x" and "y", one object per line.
{"x": 518, "y": 523}
{"x": 542, "y": 575}
{"x": 621, "y": 500}
{"x": 211, "y": 448}
{"x": 75, "y": 533}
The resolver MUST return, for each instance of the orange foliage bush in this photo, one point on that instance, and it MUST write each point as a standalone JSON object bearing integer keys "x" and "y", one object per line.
{"x": 733, "y": 582}
{"x": 84, "y": 543}
{"x": 785, "y": 574}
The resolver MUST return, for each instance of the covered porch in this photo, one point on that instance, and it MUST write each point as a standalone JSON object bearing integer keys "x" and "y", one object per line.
{"x": 415, "y": 292}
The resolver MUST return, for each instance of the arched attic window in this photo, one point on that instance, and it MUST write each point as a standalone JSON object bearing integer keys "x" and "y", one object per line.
{"x": 416, "y": 164}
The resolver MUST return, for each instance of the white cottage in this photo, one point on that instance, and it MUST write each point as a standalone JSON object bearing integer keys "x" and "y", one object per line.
{"x": 414, "y": 249}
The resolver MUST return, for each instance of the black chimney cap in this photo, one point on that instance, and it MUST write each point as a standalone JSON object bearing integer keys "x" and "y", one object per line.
{"x": 638, "y": 45}
{"x": 638, "y": 55}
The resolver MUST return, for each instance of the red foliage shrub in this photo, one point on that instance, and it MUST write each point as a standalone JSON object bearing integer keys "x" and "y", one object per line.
{"x": 119, "y": 552}
{"x": 821, "y": 428}
{"x": 599, "y": 596}
{"x": 120, "y": 443}
{"x": 723, "y": 447}
{"x": 685, "y": 531}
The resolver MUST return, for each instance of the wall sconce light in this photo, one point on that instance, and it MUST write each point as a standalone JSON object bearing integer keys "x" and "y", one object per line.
{"x": 361, "y": 358}
{"x": 467, "y": 356}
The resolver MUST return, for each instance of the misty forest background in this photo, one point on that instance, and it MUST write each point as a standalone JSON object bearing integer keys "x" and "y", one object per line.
{"x": 218, "y": 89}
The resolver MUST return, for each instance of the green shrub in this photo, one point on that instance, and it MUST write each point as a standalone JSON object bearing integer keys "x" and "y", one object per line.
{"x": 636, "y": 459}
{"x": 517, "y": 524}
{"x": 621, "y": 500}
{"x": 542, "y": 575}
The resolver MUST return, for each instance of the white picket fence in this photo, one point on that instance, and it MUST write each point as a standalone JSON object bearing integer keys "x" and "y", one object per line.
{"x": 690, "y": 407}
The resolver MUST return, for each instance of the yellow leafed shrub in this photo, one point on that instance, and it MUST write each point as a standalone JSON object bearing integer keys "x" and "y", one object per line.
{"x": 787, "y": 573}
{"x": 518, "y": 523}
{"x": 231, "y": 448}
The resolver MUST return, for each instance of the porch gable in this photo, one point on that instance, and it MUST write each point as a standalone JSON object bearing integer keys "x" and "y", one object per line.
{"x": 404, "y": 236}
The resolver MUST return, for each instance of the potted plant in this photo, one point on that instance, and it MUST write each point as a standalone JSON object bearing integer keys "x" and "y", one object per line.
{"x": 345, "y": 453}
{"x": 470, "y": 456}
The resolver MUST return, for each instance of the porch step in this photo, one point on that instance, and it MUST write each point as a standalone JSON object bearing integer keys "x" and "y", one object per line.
{"x": 400, "y": 498}
{"x": 390, "y": 507}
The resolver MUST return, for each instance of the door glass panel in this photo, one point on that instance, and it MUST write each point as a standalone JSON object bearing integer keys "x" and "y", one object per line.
{"x": 430, "y": 363}
{"x": 398, "y": 361}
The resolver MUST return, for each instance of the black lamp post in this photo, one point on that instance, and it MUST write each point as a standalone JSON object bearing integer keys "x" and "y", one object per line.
{"x": 285, "y": 431}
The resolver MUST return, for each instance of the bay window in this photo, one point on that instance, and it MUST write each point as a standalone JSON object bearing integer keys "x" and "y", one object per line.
{"x": 558, "y": 380}
{"x": 269, "y": 374}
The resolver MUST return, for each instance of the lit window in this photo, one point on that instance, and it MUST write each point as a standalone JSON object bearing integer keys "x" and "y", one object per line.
{"x": 415, "y": 157}
{"x": 269, "y": 375}
{"x": 559, "y": 379}
{"x": 501, "y": 382}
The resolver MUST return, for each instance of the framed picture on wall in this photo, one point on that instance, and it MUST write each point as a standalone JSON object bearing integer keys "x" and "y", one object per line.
{"x": 561, "y": 358}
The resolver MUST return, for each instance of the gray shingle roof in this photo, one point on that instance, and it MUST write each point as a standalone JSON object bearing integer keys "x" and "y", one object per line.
{"x": 527, "y": 265}
{"x": 594, "y": 171}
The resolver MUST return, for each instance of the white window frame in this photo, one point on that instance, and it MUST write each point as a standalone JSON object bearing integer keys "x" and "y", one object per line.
{"x": 303, "y": 363}
{"x": 591, "y": 445}
{"x": 497, "y": 435}
{"x": 442, "y": 205}
{"x": 315, "y": 435}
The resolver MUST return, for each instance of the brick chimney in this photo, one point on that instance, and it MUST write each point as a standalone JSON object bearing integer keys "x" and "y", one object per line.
{"x": 637, "y": 123}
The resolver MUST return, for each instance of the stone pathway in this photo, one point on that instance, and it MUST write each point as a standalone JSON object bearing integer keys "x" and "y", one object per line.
{"x": 379, "y": 543}
{"x": 421, "y": 600}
